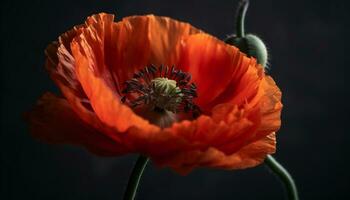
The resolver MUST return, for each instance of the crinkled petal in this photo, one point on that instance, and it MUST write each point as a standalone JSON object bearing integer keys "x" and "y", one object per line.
{"x": 102, "y": 65}
{"x": 270, "y": 107}
{"x": 243, "y": 87}
{"x": 60, "y": 64}
{"x": 53, "y": 120}
{"x": 249, "y": 156}
{"x": 121, "y": 48}
{"x": 145, "y": 40}
{"x": 213, "y": 65}
{"x": 105, "y": 102}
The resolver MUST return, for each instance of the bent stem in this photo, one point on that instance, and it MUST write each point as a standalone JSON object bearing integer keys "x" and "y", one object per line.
{"x": 240, "y": 17}
{"x": 135, "y": 177}
{"x": 284, "y": 176}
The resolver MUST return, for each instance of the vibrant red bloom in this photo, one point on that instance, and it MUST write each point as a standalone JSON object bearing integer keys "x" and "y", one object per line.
{"x": 239, "y": 105}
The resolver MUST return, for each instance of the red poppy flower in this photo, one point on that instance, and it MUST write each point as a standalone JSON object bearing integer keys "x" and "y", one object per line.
{"x": 159, "y": 87}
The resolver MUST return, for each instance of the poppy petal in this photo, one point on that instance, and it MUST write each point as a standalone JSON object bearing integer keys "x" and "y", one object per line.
{"x": 141, "y": 41}
{"x": 249, "y": 156}
{"x": 200, "y": 134}
{"x": 60, "y": 64}
{"x": 211, "y": 63}
{"x": 243, "y": 87}
{"x": 44, "y": 125}
{"x": 164, "y": 34}
{"x": 105, "y": 102}
{"x": 133, "y": 51}
{"x": 271, "y": 107}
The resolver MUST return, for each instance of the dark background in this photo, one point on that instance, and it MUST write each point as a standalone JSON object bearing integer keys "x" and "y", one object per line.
{"x": 306, "y": 40}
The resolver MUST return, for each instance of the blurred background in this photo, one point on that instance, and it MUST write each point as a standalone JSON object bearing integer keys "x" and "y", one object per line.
{"x": 306, "y": 41}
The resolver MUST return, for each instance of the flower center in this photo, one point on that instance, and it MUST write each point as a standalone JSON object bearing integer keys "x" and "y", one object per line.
{"x": 161, "y": 90}
{"x": 167, "y": 94}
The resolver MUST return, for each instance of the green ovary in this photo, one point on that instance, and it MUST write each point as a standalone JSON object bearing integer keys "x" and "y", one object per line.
{"x": 167, "y": 94}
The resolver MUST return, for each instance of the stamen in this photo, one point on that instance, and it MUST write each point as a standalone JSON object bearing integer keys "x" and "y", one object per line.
{"x": 161, "y": 90}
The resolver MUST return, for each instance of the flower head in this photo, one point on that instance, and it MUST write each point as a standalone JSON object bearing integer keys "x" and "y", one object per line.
{"x": 159, "y": 87}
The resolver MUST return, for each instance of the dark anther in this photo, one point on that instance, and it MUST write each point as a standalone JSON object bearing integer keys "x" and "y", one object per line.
{"x": 153, "y": 69}
{"x": 159, "y": 110}
{"x": 123, "y": 99}
{"x": 160, "y": 70}
{"x": 166, "y": 71}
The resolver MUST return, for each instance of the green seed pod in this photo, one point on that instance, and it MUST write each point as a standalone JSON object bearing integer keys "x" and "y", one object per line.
{"x": 257, "y": 49}
{"x": 251, "y": 45}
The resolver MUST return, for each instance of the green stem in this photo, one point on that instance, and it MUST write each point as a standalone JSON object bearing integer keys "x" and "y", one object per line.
{"x": 135, "y": 177}
{"x": 284, "y": 176}
{"x": 240, "y": 17}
